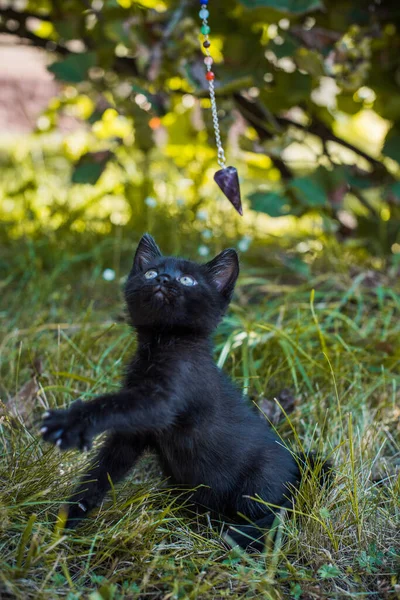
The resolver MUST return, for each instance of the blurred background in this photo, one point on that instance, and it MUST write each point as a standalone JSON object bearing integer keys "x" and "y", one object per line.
{"x": 105, "y": 126}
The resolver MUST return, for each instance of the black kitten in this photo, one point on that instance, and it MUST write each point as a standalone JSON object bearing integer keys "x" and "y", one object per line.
{"x": 177, "y": 402}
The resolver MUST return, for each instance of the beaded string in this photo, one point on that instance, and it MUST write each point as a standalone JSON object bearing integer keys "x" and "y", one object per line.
{"x": 227, "y": 178}
{"x": 210, "y": 76}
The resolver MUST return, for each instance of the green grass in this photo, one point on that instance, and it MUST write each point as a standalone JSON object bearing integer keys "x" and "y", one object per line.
{"x": 329, "y": 334}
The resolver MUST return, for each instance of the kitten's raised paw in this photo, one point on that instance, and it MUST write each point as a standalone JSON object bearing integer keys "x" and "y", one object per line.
{"x": 67, "y": 428}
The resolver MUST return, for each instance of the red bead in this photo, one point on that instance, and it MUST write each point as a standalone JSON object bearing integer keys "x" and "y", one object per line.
{"x": 210, "y": 76}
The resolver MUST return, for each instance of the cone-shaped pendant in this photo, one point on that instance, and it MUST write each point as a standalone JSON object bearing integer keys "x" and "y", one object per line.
{"x": 228, "y": 180}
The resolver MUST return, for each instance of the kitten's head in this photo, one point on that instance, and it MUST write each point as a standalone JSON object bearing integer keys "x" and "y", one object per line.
{"x": 164, "y": 292}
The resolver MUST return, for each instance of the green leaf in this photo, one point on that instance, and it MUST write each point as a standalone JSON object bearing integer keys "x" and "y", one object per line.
{"x": 329, "y": 571}
{"x": 358, "y": 181}
{"x": 334, "y": 182}
{"x": 117, "y": 31}
{"x": 393, "y": 192}
{"x": 87, "y": 173}
{"x": 391, "y": 146}
{"x": 367, "y": 562}
{"x": 234, "y": 85}
{"x": 308, "y": 191}
{"x": 90, "y": 167}
{"x": 372, "y": 560}
{"x": 271, "y": 203}
{"x": 310, "y": 61}
{"x": 74, "y": 68}
{"x": 277, "y": 98}
{"x": 347, "y": 104}
{"x": 296, "y": 264}
{"x": 287, "y": 48}
{"x": 296, "y": 591}
{"x": 324, "y": 512}
{"x": 68, "y": 30}
{"x": 96, "y": 596}
{"x": 291, "y": 6}
{"x": 156, "y": 105}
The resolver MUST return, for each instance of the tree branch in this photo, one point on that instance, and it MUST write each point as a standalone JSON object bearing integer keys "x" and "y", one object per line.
{"x": 267, "y": 124}
{"x": 121, "y": 64}
{"x": 9, "y": 13}
{"x": 37, "y": 41}
{"x": 372, "y": 211}
{"x": 256, "y": 115}
{"x": 325, "y": 134}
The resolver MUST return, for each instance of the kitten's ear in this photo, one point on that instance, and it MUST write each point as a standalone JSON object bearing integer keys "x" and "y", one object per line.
{"x": 146, "y": 252}
{"x": 224, "y": 270}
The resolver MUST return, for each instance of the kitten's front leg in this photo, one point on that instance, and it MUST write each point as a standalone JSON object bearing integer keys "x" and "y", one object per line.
{"x": 113, "y": 461}
{"x": 126, "y": 411}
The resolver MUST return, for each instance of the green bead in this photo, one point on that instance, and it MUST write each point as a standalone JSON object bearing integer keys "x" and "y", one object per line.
{"x": 205, "y": 30}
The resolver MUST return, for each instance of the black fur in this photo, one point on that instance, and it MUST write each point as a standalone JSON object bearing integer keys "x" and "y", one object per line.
{"x": 177, "y": 402}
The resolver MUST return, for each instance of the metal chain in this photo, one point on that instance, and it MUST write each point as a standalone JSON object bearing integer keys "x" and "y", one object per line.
{"x": 214, "y": 109}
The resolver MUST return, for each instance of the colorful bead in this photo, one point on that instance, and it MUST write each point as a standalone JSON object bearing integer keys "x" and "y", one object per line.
{"x": 203, "y": 2}
{"x": 210, "y": 76}
{"x": 204, "y": 14}
{"x": 205, "y": 30}
{"x": 206, "y": 44}
{"x": 208, "y": 61}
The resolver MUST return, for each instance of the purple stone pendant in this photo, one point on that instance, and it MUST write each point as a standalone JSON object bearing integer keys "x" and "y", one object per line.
{"x": 228, "y": 180}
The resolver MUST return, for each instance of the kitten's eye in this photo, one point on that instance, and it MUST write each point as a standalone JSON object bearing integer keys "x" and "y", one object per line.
{"x": 150, "y": 274}
{"x": 187, "y": 280}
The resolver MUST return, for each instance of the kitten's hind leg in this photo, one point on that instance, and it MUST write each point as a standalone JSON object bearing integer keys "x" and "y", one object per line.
{"x": 114, "y": 460}
{"x": 251, "y": 536}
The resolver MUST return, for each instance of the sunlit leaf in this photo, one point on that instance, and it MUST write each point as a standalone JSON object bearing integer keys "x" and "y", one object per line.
{"x": 117, "y": 31}
{"x": 310, "y": 61}
{"x": 44, "y": 30}
{"x": 347, "y": 104}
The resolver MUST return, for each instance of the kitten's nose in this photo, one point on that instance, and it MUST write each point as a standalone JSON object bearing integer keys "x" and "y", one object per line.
{"x": 163, "y": 278}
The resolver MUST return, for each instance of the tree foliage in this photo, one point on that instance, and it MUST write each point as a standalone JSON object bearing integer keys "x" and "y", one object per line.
{"x": 296, "y": 79}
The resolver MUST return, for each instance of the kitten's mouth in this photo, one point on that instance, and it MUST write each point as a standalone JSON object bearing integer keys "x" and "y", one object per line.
{"x": 161, "y": 293}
